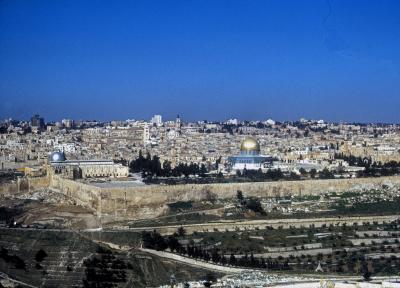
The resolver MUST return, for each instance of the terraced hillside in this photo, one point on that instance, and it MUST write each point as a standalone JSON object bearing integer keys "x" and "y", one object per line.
{"x": 67, "y": 259}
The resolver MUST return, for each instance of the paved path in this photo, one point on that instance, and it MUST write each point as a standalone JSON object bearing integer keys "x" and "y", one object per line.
{"x": 241, "y": 225}
{"x": 196, "y": 263}
{"x": 6, "y": 277}
{"x": 181, "y": 259}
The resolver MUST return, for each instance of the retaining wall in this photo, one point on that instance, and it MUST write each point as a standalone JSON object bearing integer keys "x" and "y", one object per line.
{"x": 150, "y": 200}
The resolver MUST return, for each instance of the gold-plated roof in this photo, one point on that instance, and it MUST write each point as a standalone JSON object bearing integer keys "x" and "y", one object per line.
{"x": 250, "y": 144}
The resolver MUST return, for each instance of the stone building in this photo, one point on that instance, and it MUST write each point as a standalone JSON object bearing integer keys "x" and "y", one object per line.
{"x": 76, "y": 169}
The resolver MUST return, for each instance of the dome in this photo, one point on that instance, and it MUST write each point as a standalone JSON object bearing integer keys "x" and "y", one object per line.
{"x": 57, "y": 157}
{"x": 249, "y": 144}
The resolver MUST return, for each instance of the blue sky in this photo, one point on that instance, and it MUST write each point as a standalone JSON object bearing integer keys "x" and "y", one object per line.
{"x": 336, "y": 60}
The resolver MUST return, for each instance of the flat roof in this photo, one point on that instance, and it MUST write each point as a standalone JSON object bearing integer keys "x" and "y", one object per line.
{"x": 79, "y": 162}
{"x": 117, "y": 184}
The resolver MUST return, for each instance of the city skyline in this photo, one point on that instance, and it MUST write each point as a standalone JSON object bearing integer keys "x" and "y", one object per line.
{"x": 335, "y": 60}
{"x": 230, "y": 120}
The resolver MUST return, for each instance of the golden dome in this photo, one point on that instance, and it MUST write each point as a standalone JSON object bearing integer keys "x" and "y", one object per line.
{"x": 250, "y": 144}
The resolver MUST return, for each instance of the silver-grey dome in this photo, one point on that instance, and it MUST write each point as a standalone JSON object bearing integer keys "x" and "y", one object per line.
{"x": 57, "y": 157}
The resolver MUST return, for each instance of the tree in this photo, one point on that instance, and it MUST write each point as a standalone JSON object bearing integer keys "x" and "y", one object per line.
{"x": 181, "y": 232}
{"x": 155, "y": 166}
{"x": 302, "y": 171}
{"x": 138, "y": 164}
{"x": 313, "y": 172}
{"x": 215, "y": 255}
{"x": 167, "y": 169}
{"x": 239, "y": 196}
{"x": 253, "y": 262}
{"x": 203, "y": 170}
{"x": 40, "y": 255}
{"x": 223, "y": 260}
{"x": 326, "y": 174}
{"x": 367, "y": 275}
{"x": 217, "y": 162}
{"x": 294, "y": 176}
{"x": 254, "y": 204}
{"x": 154, "y": 240}
{"x": 159, "y": 242}
{"x": 173, "y": 243}
{"x": 147, "y": 239}
{"x": 232, "y": 260}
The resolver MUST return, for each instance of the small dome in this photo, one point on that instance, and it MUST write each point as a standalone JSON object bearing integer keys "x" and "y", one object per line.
{"x": 250, "y": 144}
{"x": 57, "y": 157}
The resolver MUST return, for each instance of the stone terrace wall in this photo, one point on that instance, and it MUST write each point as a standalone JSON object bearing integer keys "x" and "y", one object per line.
{"x": 149, "y": 201}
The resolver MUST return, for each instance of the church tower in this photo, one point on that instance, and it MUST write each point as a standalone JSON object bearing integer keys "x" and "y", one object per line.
{"x": 146, "y": 134}
{"x": 178, "y": 123}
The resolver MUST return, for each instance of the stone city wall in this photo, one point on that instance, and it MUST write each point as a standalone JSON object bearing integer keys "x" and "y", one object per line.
{"x": 158, "y": 194}
{"x": 23, "y": 184}
{"x": 38, "y": 182}
{"x": 6, "y": 188}
{"x": 85, "y": 194}
{"x": 149, "y": 201}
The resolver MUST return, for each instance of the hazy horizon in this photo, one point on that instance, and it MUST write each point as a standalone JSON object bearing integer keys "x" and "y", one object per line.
{"x": 199, "y": 120}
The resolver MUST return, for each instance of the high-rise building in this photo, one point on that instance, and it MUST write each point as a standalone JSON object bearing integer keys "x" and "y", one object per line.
{"x": 68, "y": 123}
{"x": 156, "y": 119}
{"x": 37, "y": 122}
{"x": 232, "y": 121}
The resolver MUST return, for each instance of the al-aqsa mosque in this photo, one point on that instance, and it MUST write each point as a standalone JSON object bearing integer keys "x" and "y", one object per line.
{"x": 250, "y": 157}
{"x": 76, "y": 169}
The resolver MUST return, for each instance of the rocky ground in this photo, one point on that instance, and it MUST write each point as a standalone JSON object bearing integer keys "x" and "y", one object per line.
{"x": 47, "y": 208}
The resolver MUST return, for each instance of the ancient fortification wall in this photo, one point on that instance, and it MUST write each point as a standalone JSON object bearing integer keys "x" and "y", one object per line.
{"x": 148, "y": 201}
{"x": 38, "y": 182}
{"x": 23, "y": 184}
{"x": 84, "y": 193}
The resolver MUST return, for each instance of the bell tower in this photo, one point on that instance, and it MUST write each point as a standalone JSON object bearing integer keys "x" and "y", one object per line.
{"x": 178, "y": 123}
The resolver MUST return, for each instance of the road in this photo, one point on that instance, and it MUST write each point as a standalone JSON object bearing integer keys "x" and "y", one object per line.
{"x": 261, "y": 224}
{"x": 231, "y": 225}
